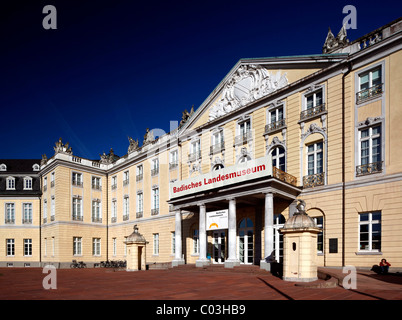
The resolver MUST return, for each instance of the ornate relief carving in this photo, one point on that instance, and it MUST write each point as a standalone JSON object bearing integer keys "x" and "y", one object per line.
{"x": 369, "y": 121}
{"x": 248, "y": 83}
{"x": 313, "y": 128}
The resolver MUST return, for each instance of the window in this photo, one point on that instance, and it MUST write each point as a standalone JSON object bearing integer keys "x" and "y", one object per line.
{"x": 10, "y": 183}
{"x": 77, "y": 179}
{"x": 196, "y": 242}
{"x": 10, "y": 213}
{"x": 278, "y": 158}
{"x": 313, "y": 104}
{"x": 126, "y": 208}
{"x": 370, "y": 150}
{"x": 320, "y": 236}
{"x": 52, "y": 208}
{"x": 114, "y": 210}
{"x": 195, "y": 150}
{"x": 155, "y": 201}
{"x": 96, "y": 212}
{"x": 52, "y": 179}
{"x": 35, "y": 167}
{"x": 173, "y": 242}
{"x": 27, "y": 247}
{"x": 96, "y": 246}
{"x": 77, "y": 246}
{"x": 44, "y": 183}
{"x": 44, "y": 211}
{"x": 156, "y": 244}
{"x": 77, "y": 209}
{"x": 3, "y": 167}
{"x": 217, "y": 142}
{"x": 27, "y": 183}
{"x": 243, "y": 132}
{"x": 96, "y": 183}
{"x": 114, "y": 182}
{"x": 173, "y": 159}
{"x": 10, "y": 247}
{"x": 140, "y": 173}
{"x": 276, "y": 119}
{"x": 370, "y": 231}
{"x": 114, "y": 247}
{"x": 140, "y": 204}
{"x": 27, "y": 213}
{"x": 370, "y": 84}
{"x": 314, "y": 158}
{"x": 155, "y": 167}
{"x": 126, "y": 177}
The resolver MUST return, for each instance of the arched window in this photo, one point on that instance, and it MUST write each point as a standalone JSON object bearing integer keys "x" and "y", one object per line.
{"x": 218, "y": 166}
{"x": 278, "y": 158}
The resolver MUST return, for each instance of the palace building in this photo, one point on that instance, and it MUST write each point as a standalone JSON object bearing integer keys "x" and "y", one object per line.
{"x": 323, "y": 128}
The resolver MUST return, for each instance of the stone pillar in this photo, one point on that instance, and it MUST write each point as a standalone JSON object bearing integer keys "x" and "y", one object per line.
{"x": 232, "y": 259}
{"x": 268, "y": 256}
{"x": 178, "y": 260}
{"x": 202, "y": 259}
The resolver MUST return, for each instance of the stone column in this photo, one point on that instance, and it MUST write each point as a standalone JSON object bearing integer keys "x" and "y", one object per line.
{"x": 178, "y": 260}
{"x": 202, "y": 259}
{"x": 232, "y": 259}
{"x": 268, "y": 232}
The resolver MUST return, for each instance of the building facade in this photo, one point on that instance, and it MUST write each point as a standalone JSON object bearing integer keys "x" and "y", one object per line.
{"x": 324, "y": 128}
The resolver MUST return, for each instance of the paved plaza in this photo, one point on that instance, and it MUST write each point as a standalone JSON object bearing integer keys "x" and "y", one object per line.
{"x": 190, "y": 283}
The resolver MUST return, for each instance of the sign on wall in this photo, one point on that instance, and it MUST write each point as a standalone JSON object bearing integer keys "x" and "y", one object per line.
{"x": 241, "y": 172}
{"x": 217, "y": 220}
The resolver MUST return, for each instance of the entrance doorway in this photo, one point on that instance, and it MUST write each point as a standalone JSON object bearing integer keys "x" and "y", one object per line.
{"x": 219, "y": 247}
{"x": 246, "y": 241}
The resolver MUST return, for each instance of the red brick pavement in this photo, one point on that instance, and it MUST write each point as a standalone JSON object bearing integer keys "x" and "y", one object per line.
{"x": 184, "y": 284}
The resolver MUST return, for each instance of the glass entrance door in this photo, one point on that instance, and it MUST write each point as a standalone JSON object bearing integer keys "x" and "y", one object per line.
{"x": 246, "y": 241}
{"x": 219, "y": 247}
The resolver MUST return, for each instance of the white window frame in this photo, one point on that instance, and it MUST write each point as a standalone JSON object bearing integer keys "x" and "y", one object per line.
{"x": 96, "y": 211}
{"x": 10, "y": 247}
{"x": 114, "y": 246}
{"x": 314, "y": 95}
{"x": 10, "y": 212}
{"x": 96, "y": 183}
{"x": 27, "y": 183}
{"x": 140, "y": 201}
{"x": 276, "y": 111}
{"x": 10, "y": 183}
{"x": 114, "y": 209}
{"x": 277, "y": 156}
{"x": 370, "y": 222}
{"x": 156, "y": 244}
{"x": 77, "y": 179}
{"x": 196, "y": 241}
{"x": 77, "y": 246}
{"x": 27, "y": 247}
{"x": 315, "y": 153}
{"x": 52, "y": 207}
{"x": 126, "y": 206}
{"x": 27, "y": 212}
{"x": 96, "y": 247}
{"x": 155, "y": 198}
{"x": 3, "y": 167}
{"x": 77, "y": 213}
{"x": 370, "y": 138}
{"x": 173, "y": 235}
{"x": 370, "y": 77}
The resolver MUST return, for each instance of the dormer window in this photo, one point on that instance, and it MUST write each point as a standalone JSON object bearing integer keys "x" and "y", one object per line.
{"x": 27, "y": 183}
{"x": 35, "y": 167}
{"x": 3, "y": 167}
{"x": 10, "y": 183}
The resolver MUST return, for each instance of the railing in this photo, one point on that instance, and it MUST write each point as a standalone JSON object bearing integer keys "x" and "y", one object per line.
{"x": 369, "y": 93}
{"x": 114, "y": 186}
{"x": 173, "y": 165}
{"x": 139, "y": 214}
{"x": 96, "y": 219}
{"x": 154, "y": 172}
{"x": 311, "y": 112}
{"x": 96, "y": 187}
{"x": 77, "y": 183}
{"x": 194, "y": 156}
{"x": 125, "y": 182}
{"x": 44, "y": 188}
{"x": 113, "y": 219}
{"x": 44, "y": 220}
{"x": 126, "y": 217}
{"x": 284, "y": 176}
{"x": 78, "y": 218}
{"x": 243, "y": 138}
{"x": 154, "y": 212}
{"x": 9, "y": 221}
{"x": 314, "y": 180}
{"x": 275, "y": 126}
{"x": 52, "y": 217}
{"x": 217, "y": 147}
{"x": 369, "y": 168}
{"x": 51, "y": 184}
{"x": 139, "y": 177}
{"x": 27, "y": 221}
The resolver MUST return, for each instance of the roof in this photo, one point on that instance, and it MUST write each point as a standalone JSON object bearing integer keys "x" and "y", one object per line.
{"x": 19, "y": 165}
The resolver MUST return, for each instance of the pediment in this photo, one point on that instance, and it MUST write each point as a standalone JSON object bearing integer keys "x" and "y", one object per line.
{"x": 247, "y": 84}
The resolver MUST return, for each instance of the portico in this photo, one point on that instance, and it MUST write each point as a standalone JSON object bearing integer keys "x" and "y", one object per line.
{"x": 250, "y": 242}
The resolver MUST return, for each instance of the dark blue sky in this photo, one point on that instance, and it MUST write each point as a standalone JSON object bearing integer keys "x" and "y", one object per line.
{"x": 113, "y": 68}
